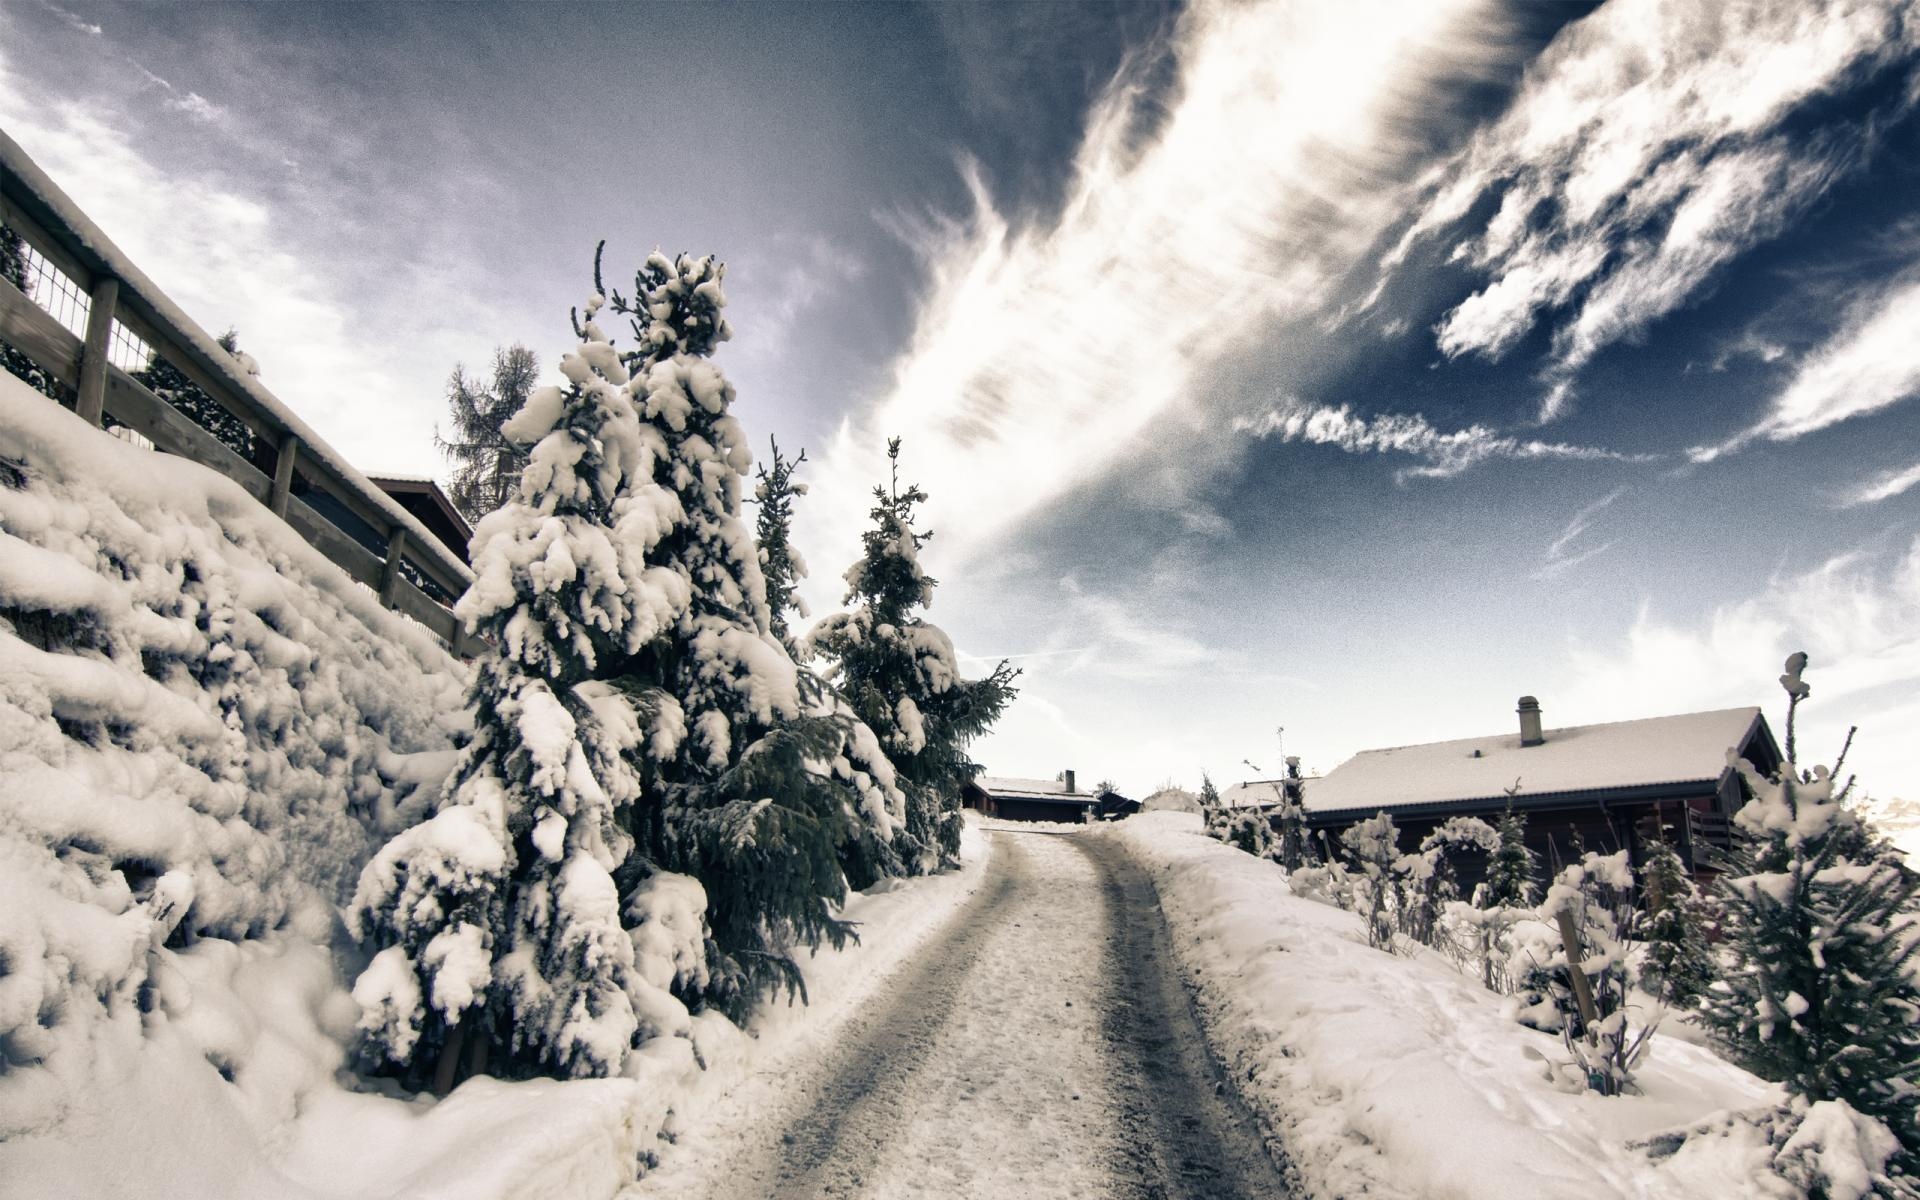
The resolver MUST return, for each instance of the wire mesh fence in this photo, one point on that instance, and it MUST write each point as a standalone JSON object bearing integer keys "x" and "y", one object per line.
{"x": 56, "y": 291}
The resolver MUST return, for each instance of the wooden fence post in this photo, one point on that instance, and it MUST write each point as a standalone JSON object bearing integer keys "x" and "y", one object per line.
{"x": 92, "y": 403}
{"x": 390, "y": 578}
{"x": 283, "y": 475}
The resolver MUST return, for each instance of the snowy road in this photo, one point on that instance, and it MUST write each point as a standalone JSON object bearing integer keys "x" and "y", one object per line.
{"x": 1040, "y": 1046}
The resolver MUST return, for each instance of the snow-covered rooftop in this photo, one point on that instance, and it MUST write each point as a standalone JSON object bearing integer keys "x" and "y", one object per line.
{"x": 1003, "y": 785}
{"x": 1251, "y": 793}
{"x": 1654, "y": 750}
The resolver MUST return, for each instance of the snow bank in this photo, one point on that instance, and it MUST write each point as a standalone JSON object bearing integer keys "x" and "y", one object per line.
{"x": 1400, "y": 1076}
{"x": 203, "y": 727}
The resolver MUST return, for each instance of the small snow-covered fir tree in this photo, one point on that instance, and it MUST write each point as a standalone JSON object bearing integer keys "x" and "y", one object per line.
{"x": 1679, "y": 963}
{"x": 901, "y": 676}
{"x": 1817, "y": 913}
{"x": 1509, "y": 882}
{"x": 1211, "y": 812}
{"x": 498, "y": 919}
{"x": 486, "y": 462}
{"x": 1292, "y": 845}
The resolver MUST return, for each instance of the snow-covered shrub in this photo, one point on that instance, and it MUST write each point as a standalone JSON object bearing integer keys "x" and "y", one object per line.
{"x": 1432, "y": 876}
{"x": 1292, "y": 847}
{"x": 205, "y": 728}
{"x": 1373, "y": 845}
{"x": 1825, "y": 1149}
{"x": 1211, "y": 810}
{"x": 900, "y": 674}
{"x": 1249, "y": 829}
{"x": 1817, "y": 913}
{"x": 1591, "y": 909}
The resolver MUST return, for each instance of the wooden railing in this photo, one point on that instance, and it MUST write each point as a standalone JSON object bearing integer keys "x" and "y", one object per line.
{"x": 294, "y": 472}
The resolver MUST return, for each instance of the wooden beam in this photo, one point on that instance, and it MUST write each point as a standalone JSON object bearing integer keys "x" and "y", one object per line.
{"x": 391, "y": 578}
{"x": 283, "y": 475}
{"x": 176, "y": 433}
{"x": 93, "y": 359}
{"x": 32, "y": 331}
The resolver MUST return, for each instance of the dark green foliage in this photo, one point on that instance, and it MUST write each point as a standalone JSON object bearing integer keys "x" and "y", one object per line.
{"x": 486, "y": 464}
{"x": 1510, "y": 875}
{"x": 171, "y": 384}
{"x": 902, "y": 678}
{"x": 742, "y": 802}
{"x": 780, "y": 563}
{"x": 1679, "y": 962}
{"x": 1817, "y": 918}
{"x": 1211, "y": 814}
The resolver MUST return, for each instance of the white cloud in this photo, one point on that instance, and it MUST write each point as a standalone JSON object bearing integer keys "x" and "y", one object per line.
{"x": 1884, "y": 486}
{"x": 1041, "y": 355}
{"x": 1123, "y": 640}
{"x": 1871, "y": 363}
{"x": 370, "y": 381}
{"x": 1642, "y": 154}
{"x": 1444, "y": 454}
{"x": 196, "y": 106}
{"x": 1561, "y": 556}
{"x": 1857, "y": 615}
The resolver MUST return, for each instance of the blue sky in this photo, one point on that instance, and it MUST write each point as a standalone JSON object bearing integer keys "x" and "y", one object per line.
{"x": 1349, "y": 368}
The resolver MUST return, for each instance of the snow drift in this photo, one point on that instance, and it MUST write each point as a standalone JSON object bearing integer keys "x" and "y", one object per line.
{"x": 204, "y": 728}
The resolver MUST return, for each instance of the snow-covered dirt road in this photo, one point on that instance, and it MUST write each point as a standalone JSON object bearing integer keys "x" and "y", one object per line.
{"x": 1040, "y": 1046}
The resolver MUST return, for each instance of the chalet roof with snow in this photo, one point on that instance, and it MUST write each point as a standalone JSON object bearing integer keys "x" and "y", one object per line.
{"x": 1039, "y": 789}
{"x": 1620, "y": 756}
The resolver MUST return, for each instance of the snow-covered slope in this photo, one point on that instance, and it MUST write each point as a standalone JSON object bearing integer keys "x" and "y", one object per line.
{"x": 1389, "y": 1076}
{"x": 204, "y": 727}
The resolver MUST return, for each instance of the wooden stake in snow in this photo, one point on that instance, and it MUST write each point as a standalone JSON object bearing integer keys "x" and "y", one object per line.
{"x": 1582, "y": 991}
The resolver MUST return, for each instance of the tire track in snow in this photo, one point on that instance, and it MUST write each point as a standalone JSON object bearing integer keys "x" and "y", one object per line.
{"x": 1185, "y": 1135}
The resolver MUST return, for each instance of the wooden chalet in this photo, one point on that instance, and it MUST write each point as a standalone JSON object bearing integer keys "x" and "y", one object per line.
{"x": 1597, "y": 787}
{"x": 422, "y": 497}
{"x": 1057, "y": 800}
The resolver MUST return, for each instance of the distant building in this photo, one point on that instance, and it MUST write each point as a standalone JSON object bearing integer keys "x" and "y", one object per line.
{"x": 1599, "y": 787}
{"x": 1044, "y": 800}
{"x": 422, "y": 497}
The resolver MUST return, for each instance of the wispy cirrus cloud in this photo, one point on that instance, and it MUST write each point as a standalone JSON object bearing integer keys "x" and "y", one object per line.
{"x": 1884, "y": 486}
{"x": 1442, "y": 454}
{"x": 1857, "y": 614}
{"x": 1870, "y": 363}
{"x": 1194, "y": 220}
{"x": 1645, "y": 151}
{"x": 1562, "y": 556}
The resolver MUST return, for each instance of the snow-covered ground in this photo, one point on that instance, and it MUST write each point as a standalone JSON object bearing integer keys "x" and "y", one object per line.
{"x": 1040, "y": 1047}
{"x": 1395, "y": 1075}
{"x": 205, "y": 729}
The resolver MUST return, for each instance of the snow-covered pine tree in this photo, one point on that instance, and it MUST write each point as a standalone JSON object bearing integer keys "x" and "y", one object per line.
{"x": 1292, "y": 846}
{"x": 1211, "y": 813}
{"x": 1679, "y": 962}
{"x": 869, "y": 854}
{"x": 1509, "y": 882}
{"x": 1818, "y": 914}
{"x": 499, "y": 918}
{"x": 753, "y": 800}
{"x": 901, "y": 676}
{"x": 486, "y": 463}
{"x": 780, "y": 563}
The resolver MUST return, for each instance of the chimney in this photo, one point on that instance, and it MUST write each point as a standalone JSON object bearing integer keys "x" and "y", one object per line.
{"x": 1068, "y": 775}
{"x": 1530, "y": 734}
